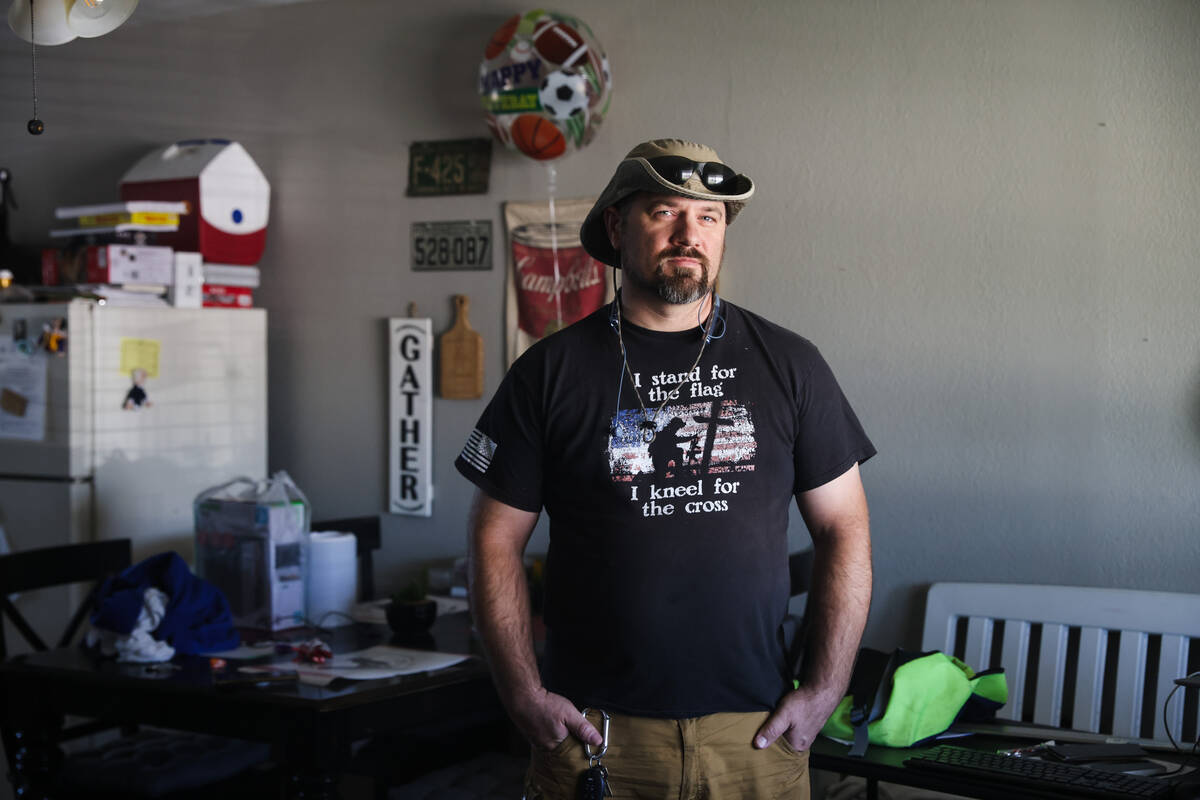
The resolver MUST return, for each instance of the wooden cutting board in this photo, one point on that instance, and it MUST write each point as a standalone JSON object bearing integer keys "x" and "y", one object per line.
{"x": 460, "y": 370}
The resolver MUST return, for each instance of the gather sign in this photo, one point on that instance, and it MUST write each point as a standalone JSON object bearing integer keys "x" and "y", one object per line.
{"x": 411, "y": 416}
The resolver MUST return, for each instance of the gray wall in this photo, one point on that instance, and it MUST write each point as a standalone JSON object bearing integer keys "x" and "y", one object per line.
{"x": 986, "y": 214}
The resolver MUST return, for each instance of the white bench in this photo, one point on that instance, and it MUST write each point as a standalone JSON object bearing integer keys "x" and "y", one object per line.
{"x": 1100, "y": 661}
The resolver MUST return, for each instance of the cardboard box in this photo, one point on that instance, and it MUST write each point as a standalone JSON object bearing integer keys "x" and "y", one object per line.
{"x": 63, "y": 266}
{"x": 216, "y": 296}
{"x": 187, "y": 289}
{"x": 51, "y": 266}
{"x": 122, "y": 263}
{"x": 253, "y": 552}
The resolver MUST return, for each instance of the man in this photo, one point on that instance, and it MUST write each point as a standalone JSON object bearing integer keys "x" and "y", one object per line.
{"x": 666, "y": 578}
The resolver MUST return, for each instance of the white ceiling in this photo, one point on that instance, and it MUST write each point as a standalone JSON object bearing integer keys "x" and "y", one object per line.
{"x": 151, "y": 11}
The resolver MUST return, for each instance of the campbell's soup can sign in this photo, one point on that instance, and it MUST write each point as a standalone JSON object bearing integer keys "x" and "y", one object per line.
{"x": 546, "y": 303}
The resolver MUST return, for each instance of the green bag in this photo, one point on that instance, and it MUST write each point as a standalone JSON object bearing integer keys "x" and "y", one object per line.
{"x": 902, "y": 698}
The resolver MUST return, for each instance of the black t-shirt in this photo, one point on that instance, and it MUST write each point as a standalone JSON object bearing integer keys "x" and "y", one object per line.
{"x": 666, "y": 576}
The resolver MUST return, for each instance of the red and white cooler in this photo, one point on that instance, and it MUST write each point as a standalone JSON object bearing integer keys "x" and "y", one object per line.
{"x": 227, "y": 194}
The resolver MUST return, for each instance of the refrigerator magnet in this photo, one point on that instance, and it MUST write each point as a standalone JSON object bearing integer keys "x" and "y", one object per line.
{"x": 139, "y": 360}
{"x": 54, "y": 337}
{"x": 136, "y": 397}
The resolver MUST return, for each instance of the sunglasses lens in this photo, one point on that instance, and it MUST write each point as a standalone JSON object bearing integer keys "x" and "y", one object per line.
{"x": 719, "y": 178}
{"x": 675, "y": 169}
{"x": 678, "y": 170}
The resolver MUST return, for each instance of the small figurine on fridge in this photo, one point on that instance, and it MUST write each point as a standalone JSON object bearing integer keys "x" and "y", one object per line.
{"x": 136, "y": 398}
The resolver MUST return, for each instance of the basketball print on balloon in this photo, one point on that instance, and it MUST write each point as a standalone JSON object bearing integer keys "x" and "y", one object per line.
{"x": 537, "y": 137}
{"x": 545, "y": 84}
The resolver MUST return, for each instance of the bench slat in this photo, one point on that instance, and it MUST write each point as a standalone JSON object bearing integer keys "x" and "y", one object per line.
{"x": 1015, "y": 656}
{"x": 978, "y": 652}
{"x": 1172, "y": 664}
{"x": 1089, "y": 678}
{"x": 1047, "y": 708}
{"x": 1131, "y": 680}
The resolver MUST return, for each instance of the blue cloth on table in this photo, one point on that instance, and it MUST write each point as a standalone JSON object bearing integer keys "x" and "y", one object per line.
{"x": 197, "y": 619}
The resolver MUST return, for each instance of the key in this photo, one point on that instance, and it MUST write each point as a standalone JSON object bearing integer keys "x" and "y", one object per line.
{"x": 607, "y": 782}
{"x": 593, "y": 784}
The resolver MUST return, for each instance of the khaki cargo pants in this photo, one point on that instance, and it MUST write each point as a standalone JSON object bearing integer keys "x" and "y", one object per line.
{"x": 705, "y": 758}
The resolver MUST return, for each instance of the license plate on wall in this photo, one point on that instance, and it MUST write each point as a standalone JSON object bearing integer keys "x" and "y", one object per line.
{"x": 464, "y": 245}
{"x": 458, "y": 166}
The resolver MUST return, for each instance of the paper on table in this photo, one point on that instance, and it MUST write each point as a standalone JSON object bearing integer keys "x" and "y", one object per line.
{"x": 449, "y": 605}
{"x": 380, "y": 661}
{"x": 375, "y": 611}
{"x": 245, "y": 652}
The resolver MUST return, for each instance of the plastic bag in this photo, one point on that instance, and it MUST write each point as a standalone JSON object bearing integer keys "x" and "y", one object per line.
{"x": 250, "y": 544}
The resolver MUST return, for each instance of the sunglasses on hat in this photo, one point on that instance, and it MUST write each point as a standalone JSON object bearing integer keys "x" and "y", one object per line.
{"x": 715, "y": 176}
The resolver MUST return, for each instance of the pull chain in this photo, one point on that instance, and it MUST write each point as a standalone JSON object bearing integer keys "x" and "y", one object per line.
{"x": 35, "y": 126}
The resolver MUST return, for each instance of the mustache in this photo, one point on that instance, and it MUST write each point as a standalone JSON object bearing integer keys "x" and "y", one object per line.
{"x": 682, "y": 252}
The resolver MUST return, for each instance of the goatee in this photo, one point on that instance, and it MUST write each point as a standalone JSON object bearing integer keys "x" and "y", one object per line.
{"x": 678, "y": 286}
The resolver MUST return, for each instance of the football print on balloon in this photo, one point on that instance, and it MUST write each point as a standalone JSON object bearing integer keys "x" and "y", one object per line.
{"x": 545, "y": 84}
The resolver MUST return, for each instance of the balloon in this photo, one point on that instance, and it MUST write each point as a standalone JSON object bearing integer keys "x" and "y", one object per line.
{"x": 544, "y": 83}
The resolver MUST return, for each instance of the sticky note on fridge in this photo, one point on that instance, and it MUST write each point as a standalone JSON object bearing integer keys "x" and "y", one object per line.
{"x": 140, "y": 354}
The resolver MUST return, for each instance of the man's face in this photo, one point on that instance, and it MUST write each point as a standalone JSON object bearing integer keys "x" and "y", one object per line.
{"x": 669, "y": 245}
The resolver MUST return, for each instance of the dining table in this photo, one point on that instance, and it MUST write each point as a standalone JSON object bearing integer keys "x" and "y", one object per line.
{"x": 311, "y": 728}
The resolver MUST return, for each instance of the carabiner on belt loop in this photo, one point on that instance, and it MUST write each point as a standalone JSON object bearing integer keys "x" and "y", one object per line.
{"x": 594, "y": 758}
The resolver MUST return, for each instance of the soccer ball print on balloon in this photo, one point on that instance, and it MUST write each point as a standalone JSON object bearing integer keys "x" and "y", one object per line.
{"x": 545, "y": 84}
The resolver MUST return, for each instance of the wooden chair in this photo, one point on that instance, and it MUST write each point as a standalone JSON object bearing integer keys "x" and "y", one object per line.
{"x": 800, "y": 577}
{"x": 33, "y": 570}
{"x": 800, "y": 571}
{"x": 45, "y": 567}
{"x": 1091, "y": 660}
{"x": 366, "y": 534}
{"x": 146, "y": 763}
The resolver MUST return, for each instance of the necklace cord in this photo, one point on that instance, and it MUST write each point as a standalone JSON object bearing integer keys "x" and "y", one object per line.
{"x": 650, "y": 423}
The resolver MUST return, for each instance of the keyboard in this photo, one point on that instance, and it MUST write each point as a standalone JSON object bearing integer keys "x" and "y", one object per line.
{"x": 1052, "y": 777}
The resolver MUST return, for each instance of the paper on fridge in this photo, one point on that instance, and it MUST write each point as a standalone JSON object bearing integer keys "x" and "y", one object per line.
{"x": 22, "y": 393}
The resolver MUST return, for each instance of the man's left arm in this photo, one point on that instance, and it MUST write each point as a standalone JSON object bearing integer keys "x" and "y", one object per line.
{"x": 836, "y": 613}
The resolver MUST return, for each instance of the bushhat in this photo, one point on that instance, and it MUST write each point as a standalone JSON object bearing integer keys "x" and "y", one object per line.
{"x": 636, "y": 174}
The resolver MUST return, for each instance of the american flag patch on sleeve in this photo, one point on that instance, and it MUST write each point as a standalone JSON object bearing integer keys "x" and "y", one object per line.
{"x": 479, "y": 450}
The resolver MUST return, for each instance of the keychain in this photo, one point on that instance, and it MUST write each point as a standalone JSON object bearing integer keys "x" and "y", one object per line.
{"x": 593, "y": 781}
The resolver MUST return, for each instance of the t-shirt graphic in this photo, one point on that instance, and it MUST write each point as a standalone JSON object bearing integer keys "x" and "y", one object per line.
{"x": 695, "y": 440}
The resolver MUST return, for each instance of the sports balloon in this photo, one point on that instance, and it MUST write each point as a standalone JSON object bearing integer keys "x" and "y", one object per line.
{"x": 545, "y": 84}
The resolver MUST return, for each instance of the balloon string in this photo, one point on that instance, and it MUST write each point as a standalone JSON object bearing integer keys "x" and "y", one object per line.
{"x": 552, "y": 177}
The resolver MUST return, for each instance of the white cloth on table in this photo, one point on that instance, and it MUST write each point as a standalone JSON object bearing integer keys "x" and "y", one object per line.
{"x": 139, "y": 645}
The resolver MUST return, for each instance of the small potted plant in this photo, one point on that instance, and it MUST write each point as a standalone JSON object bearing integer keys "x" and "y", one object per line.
{"x": 411, "y": 610}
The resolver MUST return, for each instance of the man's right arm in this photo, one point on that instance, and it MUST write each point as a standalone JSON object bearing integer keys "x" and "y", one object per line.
{"x": 500, "y": 606}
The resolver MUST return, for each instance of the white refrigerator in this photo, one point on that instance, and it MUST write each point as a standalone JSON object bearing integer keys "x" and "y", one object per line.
{"x": 116, "y": 436}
